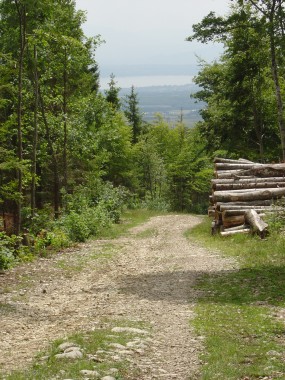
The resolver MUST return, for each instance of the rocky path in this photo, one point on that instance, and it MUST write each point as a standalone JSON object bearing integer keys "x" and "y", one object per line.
{"x": 145, "y": 276}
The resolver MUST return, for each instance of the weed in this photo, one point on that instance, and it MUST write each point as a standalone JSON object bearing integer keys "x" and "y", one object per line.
{"x": 96, "y": 347}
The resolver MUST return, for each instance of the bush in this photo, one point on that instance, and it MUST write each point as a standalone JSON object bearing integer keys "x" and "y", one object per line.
{"x": 156, "y": 204}
{"x": 90, "y": 210}
{"x": 8, "y": 249}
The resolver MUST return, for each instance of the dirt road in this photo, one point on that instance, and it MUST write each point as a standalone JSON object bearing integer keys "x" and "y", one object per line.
{"x": 147, "y": 276}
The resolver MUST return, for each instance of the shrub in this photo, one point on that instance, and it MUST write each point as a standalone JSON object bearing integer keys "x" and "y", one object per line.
{"x": 8, "y": 249}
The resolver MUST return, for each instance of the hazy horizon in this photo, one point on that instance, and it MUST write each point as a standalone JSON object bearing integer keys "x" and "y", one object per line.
{"x": 150, "y": 33}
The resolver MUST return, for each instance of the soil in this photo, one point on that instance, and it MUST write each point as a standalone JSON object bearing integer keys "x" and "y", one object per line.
{"x": 147, "y": 275}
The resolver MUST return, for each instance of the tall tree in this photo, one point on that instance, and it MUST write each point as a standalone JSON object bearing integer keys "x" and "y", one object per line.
{"x": 112, "y": 94}
{"x": 133, "y": 113}
{"x": 273, "y": 14}
{"x": 241, "y": 92}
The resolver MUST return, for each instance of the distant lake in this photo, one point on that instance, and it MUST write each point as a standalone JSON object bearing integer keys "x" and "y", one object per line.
{"x": 148, "y": 80}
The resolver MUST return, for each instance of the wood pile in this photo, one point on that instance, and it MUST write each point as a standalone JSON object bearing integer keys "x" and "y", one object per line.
{"x": 242, "y": 193}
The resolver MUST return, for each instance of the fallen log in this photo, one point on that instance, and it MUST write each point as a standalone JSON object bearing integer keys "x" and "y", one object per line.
{"x": 231, "y": 212}
{"x": 267, "y": 202}
{"x": 232, "y": 221}
{"x": 226, "y": 174}
{"x": 235, "y": 232}
{"x": 247, "y": 185}
{"x": 234, "y": 166}
{"x": 247, "y": 180}
{"x": 211, "y": 211}
{"x": 275, "y": 170}
{"x": 229, "y": 160}
{"x": 240, "y": 227}
{"x": 226, "y": 207}
{"x": 255, "y": 221}
{"x": 257, "y": 195}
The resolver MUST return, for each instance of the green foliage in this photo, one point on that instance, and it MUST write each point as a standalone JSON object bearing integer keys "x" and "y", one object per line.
{"x": 241, "y": 112}
{"x": 133, "y": 114}
{"x": 7, "y": 250}
{"x": 91, "y": 208}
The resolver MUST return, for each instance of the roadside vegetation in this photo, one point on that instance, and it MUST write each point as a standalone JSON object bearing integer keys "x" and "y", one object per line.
{"x": 98, "y": 354}
{"x": 240, "y": 313}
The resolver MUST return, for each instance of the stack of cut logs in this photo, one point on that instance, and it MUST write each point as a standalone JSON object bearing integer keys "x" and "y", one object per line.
{"x": 243, "y": 192}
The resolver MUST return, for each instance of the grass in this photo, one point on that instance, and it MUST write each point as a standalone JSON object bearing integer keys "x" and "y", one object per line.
{"x": 97, "y": 355}
{"x": 237, "y": 310}
{"x": 129, "y": 219}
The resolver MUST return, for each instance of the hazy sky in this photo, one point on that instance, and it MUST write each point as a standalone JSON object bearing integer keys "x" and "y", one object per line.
{"x": 148, "y": 31}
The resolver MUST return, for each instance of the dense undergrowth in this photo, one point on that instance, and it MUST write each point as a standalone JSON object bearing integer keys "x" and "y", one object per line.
{"x": 93, "y": 211}
{"x": 240, "y": 312}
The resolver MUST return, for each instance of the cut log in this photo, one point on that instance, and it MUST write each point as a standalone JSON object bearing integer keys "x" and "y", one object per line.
{"x": 232, "y": 221}
{"x": 231, "y": 161}
{"x": 225, "y": 174}
{"x": 267, "y": 202}
{"x": 241, "y": 227}
{"x": 247, "y": 185}
{"x": 247, "y": 180}
{"x": 257, "y": 195}
{"x": 235, "y": 232}
{"x": 211, "y": 211}
{"x": 276, "y": 170}
{"x": 226, "y": 207}
{"x": 228, "y": 213}
{"x": 235, "y": 166}
{"x": 255, "y": 221}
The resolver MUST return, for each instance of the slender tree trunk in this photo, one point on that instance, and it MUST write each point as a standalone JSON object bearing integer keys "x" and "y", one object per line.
{"x": 35, "y": 138}
{"x": 65, "y": 174}
{"x": 278, "y": 95}
{"x": 21, "y": 9}
{"x": 56, "y": 184}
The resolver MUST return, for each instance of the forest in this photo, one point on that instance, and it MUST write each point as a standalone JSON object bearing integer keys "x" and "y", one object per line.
{"x": 72, "y": 158}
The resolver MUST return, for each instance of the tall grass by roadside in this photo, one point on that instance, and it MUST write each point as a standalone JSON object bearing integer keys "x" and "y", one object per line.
{"x": 240, "y": 313}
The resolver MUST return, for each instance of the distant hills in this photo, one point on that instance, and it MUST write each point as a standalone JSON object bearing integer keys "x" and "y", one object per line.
{"x": 172, "y": 102}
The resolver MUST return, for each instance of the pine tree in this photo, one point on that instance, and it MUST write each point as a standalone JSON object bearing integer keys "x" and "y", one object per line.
{"x": 133, "y": 114}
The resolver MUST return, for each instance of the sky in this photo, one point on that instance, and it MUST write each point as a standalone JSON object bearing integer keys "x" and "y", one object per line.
{"x": 149, "y": 32}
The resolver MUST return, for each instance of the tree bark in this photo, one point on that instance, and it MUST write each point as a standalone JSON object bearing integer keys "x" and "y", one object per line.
{"x": 21, "y": 9}
{"x": 35, "y": 139}
{"x": 262, "y": 194}
{"x": 230, "y": 161}
{"x": 249, "y": 185}
{"x": 231, "y": 221}
{"x": 235, "y": 232}
{"x": 255, "y": 221}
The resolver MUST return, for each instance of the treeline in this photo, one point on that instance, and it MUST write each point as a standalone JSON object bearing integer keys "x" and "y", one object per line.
{"x": 244, "y": 90}
{"x": 71, "y": 157}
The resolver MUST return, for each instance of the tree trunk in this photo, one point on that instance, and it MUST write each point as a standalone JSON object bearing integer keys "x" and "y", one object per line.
{"x": 231, "y": 221}
{"x": 56, "y": 189}
{"x": 231, "y": 181}
{"x": 21, "y": 9}
{"x": 235, "y": 232}
{"x": 65, "y": 174}
{"x": 230, "y": 161}
{"x": 254, "y": 220}
{"x": 35, "y": 139}
{"x": 262, "y": 194}
{"x": 275, "y": 75}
